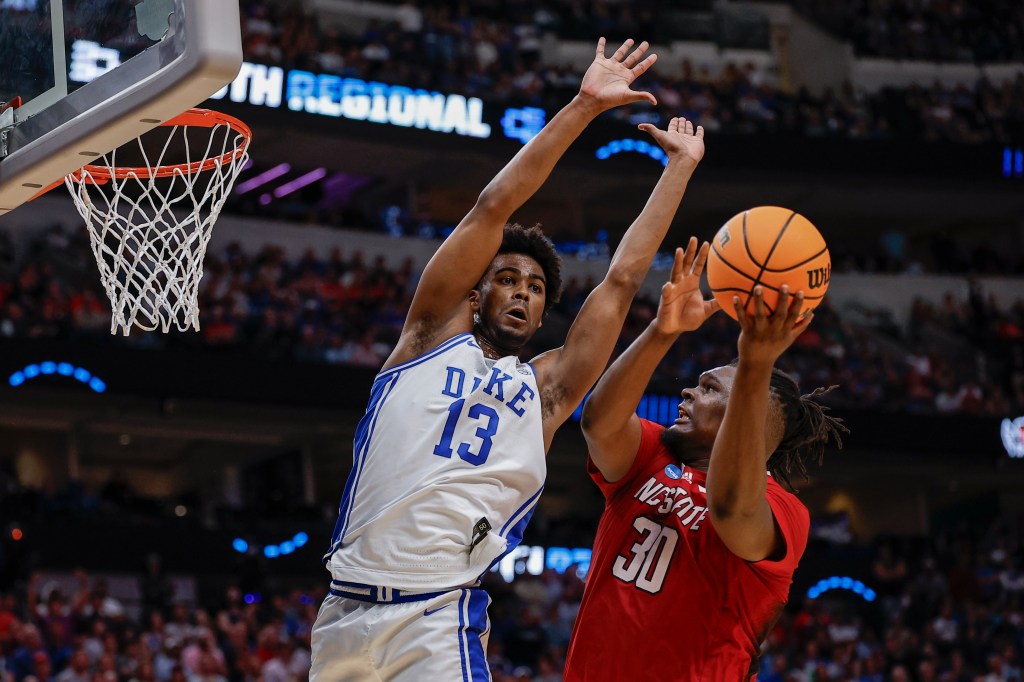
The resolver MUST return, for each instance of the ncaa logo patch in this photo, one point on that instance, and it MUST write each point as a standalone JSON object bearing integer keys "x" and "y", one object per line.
{"x": 673, "y": 472}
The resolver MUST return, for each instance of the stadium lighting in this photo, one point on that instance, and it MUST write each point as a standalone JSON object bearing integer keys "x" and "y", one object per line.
{"x": 64, "y": 369}
{"x": 263, "y": 178}
{"x": 300, "y": 182}
{"x": 842, "y": 583}
{"x": 631, "y": 145}
{"x": 272, "y": 551}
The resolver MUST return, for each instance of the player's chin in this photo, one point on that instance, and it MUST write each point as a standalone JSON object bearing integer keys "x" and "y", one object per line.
{"x": 515, "y": 336}
{"x": 675, "y": 434}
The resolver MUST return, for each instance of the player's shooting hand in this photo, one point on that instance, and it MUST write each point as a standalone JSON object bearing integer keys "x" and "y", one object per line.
{"x": 679, "y": 140}
{"x": 606, "y": 83}
{"x": 682, "y": 307}
{"x": 765, "y": 337}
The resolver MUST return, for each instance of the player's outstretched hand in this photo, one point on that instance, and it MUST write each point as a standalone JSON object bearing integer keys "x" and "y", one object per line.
{"x": 606, "y": 83}
{"x": 765, "y": 337}
{"x": 679, "y": 140}
{"x": 682, "y": 307}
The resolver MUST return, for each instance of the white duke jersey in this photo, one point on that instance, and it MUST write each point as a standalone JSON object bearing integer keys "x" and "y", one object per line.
{"x": 448, "y": 464}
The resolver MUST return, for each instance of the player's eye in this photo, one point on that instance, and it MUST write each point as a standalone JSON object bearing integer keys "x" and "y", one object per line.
{"x": 536, "y": 288}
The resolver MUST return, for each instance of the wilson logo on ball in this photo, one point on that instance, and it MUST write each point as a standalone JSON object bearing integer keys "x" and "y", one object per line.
{"x": 723, "y": 237}
{"x": 819, "y": 277}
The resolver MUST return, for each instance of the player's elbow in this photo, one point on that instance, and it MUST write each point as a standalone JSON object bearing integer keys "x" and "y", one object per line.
{"x": 624, "y": 281}
{"x": 492, "y": 203}
{"x": 724, "y": 506}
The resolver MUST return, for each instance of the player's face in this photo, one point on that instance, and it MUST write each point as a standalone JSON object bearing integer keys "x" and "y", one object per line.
{"x": 510, "y": 300}
{"x": 701, "y": 410}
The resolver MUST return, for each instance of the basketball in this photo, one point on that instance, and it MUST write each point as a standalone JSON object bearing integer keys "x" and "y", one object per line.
{"x": 770, "y": 246}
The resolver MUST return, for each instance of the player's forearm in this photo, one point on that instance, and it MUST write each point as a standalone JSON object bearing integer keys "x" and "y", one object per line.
{"x": 736, "y": 480}
{"x": 529, "y": 168}
{"x": 632, "y": 258}
{"x": 618, "y": 392}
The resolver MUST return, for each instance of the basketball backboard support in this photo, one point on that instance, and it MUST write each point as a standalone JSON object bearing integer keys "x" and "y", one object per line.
{"x": 94, "y": 75}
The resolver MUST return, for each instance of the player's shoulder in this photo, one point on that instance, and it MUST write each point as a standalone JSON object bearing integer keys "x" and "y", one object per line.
{"x": 779, "y": 495}
{"x": 650, "y": 437}
{"x": 407, "y": 359}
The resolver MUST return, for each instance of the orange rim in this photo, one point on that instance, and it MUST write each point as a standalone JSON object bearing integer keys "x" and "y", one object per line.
{"x": 200, "y": 118}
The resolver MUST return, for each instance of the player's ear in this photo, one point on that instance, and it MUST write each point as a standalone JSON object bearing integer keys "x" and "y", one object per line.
{"x": 474, "y": 300}
{"x": 775, "y": 425}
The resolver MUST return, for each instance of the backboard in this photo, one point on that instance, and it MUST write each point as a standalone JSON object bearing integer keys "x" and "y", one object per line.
{"x": 92, "y": 75}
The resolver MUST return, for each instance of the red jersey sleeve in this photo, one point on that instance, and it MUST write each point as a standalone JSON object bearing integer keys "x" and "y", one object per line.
{"x": 795, "y": 523}
{"x": 650, "y": 444}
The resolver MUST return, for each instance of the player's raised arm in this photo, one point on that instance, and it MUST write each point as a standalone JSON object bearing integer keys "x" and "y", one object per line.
{"x": 610, "y": 424}
{"x": 462, "y": 259}
{"x": 567, "y": 373}
{"x": 736, "y": 480}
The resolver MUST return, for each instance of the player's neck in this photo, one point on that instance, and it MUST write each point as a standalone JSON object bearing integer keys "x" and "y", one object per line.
{"x": 491, "y": 350}
{"x": 694, "y": 455}
{"x": 697, "y": 462}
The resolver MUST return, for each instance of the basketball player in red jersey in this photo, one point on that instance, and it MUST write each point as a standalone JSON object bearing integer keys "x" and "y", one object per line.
{"x": 696, "y": 548}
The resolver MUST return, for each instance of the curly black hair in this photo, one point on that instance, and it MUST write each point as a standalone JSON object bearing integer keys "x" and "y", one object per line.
{"x": 532, "y": 242}
{"x": 808, "y": 428}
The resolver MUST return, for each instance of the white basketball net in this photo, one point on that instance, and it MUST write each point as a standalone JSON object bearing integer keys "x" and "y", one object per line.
{"x": 149, "y": 234}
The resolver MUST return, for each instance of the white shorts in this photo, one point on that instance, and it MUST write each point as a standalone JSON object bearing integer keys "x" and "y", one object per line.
{"x": 439, "y": 639}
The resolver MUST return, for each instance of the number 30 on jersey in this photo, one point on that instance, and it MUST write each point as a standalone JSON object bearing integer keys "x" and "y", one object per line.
{"x": 650, "y": 556}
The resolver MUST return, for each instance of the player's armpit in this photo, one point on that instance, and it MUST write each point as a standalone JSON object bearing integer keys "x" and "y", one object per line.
{"x": 613, "y": 451}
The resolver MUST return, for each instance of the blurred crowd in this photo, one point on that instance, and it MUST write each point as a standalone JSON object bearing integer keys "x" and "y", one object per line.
{"x": 979, "y": 31}
{"x": 91, "y": 636}
{"x": 948, "y": 608}
{"x": 969, "y": 361}
{"x": 496, "y": 52}
{"x": 963, "y": 356}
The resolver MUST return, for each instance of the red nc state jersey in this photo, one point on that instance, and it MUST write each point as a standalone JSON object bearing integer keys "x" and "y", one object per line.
{"x": 665, "y": 598}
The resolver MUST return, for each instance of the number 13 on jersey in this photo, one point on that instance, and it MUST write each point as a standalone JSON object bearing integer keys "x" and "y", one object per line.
{"x": 489, "y": 426}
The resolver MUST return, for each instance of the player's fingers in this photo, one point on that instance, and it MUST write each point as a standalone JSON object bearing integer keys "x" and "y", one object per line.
{"x": 623, "y": 50}
{"x": 677, "y": 265}
{"x": 651, "y": 130}
{"x": 711, "y": 307}
{"x": 741, "y": 314}
{"x": 690, "y": 256}
{"x": 689, "y": 128}
{"x": 600, "y": 46}
{"x": 700, "y": 132}
{"x": 674, "y": 125}
{"x": 638, "y": 96}
{"x": 633, "y": 57}
{"x": 702, "y": 258}
{"x": 644, "y": 65}
{"x": 782, "y": 306}
{"x": 802, "y": 325}
{"x": 759, "y": 312}
{"x": 795, "y": 309}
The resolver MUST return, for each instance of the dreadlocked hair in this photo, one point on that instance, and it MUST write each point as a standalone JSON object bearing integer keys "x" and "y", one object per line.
{"x": 808, "y": 429}
{"x": 532, "y": 242}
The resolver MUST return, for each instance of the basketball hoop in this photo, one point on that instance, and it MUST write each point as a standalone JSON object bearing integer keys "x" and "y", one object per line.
{"x": 149, "y": 224}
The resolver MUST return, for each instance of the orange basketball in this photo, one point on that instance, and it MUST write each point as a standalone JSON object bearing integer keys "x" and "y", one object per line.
{"x": 770, "y": 246}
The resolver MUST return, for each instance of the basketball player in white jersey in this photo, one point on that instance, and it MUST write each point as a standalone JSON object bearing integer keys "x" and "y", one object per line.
{"x": 449, "y": 459}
